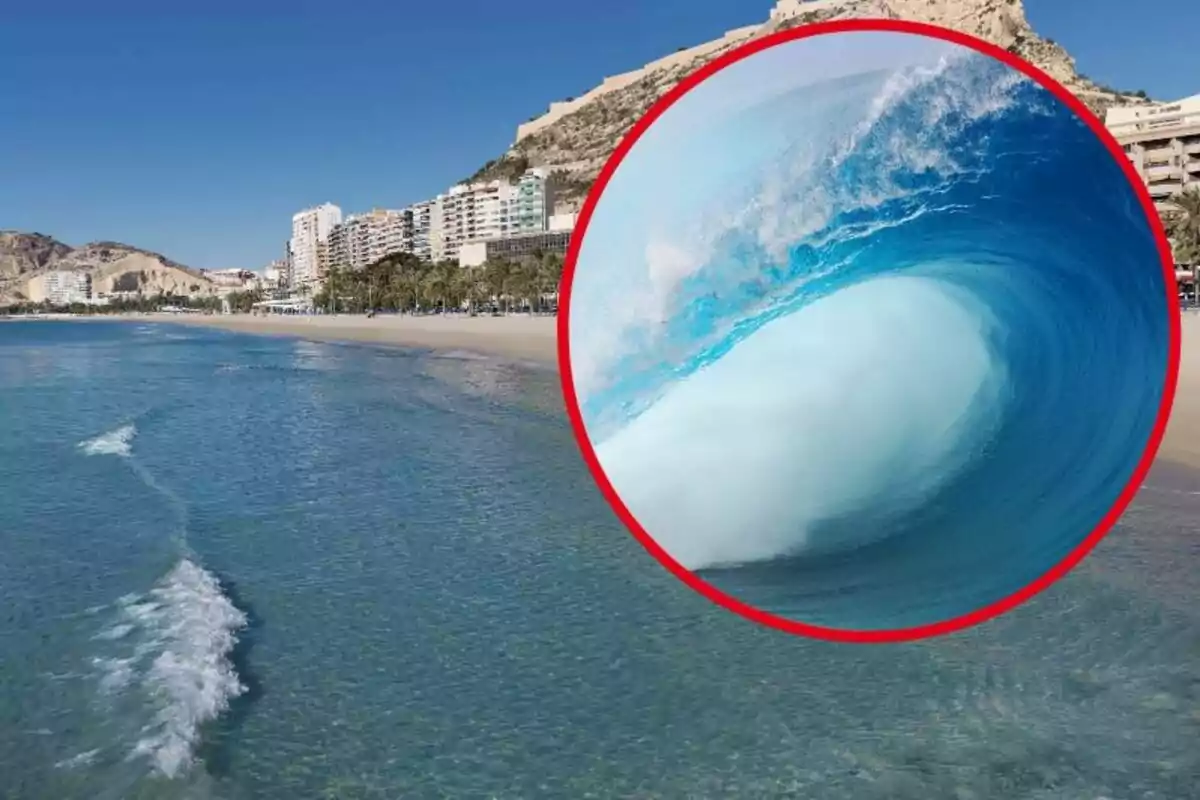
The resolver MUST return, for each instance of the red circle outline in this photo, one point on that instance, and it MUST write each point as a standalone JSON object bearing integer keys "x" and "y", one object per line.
{"x": 773, "y": 620}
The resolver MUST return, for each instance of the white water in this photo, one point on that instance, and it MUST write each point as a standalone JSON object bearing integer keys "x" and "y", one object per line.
{"x": 116, "y": 442}
{"x": 182, "y": 633}
{"x": 861, "y": 400}
{"x": 175, "y": 643}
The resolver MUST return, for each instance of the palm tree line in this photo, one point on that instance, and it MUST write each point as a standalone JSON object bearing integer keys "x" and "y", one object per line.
{"x": 403, "y": 282}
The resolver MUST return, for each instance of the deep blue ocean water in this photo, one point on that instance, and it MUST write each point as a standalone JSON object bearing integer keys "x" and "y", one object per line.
{"x": 238, "y": 567}
{"x": 896, "y": 370}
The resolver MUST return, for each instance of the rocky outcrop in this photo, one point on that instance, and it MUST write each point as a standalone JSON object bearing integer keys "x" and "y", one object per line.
{"x": 576, "y": 137}
{"x": 24, "y": 253}
{"x": 26, "y": 258}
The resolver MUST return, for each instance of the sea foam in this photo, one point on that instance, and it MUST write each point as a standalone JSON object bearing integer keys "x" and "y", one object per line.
{"x": 179, "y": 638}
{"x": 117, "y": 442}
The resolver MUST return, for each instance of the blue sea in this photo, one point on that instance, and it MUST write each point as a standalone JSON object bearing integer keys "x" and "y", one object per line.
{"x": 893, "y": 367}
{"x": 238, "y": 567}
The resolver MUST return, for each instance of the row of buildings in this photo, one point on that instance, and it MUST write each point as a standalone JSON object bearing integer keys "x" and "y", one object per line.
{"x": 473, "y": 222}
{"x": 468, "y": 224}
{"x": 1162, "y": 140}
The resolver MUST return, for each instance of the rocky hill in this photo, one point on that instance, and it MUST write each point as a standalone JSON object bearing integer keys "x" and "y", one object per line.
{"x": 24, "y": 253}
{"x": 575, "y": 137}
{"x": 26, "y": 258}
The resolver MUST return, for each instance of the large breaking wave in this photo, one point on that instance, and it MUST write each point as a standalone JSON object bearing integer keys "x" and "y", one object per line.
{"x": 894, "y": 370}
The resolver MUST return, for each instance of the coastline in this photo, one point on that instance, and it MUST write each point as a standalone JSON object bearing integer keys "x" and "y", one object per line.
{"x": 534, "y": 339}
{"x": 516, "y": 336}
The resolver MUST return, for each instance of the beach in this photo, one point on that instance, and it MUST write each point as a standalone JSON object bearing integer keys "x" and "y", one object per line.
{"x": 1182, "y": 442}
{"x": 522, "y": 337}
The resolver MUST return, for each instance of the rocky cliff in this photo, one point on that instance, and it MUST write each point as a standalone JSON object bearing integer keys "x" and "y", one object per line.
{"x": 574, "y": 138}
{"x": 25, "y": 259}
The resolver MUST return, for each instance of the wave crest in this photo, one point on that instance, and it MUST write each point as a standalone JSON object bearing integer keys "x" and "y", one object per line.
{"x": 175, "y": 662}
{"x": 938, "y": 299}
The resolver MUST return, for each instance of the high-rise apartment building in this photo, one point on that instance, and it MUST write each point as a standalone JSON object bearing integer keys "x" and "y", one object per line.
{"x": 472, "y": 211}
{"x": 363, "y": 239}
{"x": 437, "y": 230}
{"x": 287, "y": 271}
{"x": 310, "y": 245}
{"x": 421, "y": 215}
{"x": 532, "y": 203}
{"x": 490, "y": 210}
{"x": 1163, "y": 142}
{"x": 389, "y": 231}
{"x": 339, "y": 244}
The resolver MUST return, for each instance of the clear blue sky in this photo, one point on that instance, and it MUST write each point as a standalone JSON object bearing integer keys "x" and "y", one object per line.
{"x": 197, "y": 133}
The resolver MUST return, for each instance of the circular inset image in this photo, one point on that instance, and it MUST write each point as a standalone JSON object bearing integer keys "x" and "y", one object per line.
{"x": 869, "y": 331}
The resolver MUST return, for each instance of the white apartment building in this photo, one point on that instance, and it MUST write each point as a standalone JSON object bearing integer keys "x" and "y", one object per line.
{"x": 309, "y": 245}
{"x": 472, "y": 211}
{"x": 490, "y": 210}
{"x": 363, "y": 239}
{"x": 437, "y": 230}
{"x": 421, "y": 216}
{"x": 275, "y": 275}
{"x": 1163, "y": 142}
{"x": 61, "y": 288}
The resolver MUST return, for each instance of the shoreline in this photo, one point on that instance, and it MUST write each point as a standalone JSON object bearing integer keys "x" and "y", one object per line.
{"x": 516, "y": 336}
{"x": 533, "y": 339}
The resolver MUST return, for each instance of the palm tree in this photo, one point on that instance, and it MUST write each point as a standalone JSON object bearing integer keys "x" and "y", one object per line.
{"x": 549, "y": 274}
{"x": 435, "y": 287}
{"x": 1183, "y": 227}
{"x": 495, "y": 273}
{"x": 334, "y": 281}
{"x": 462, "y": 286}
{"x": 519, "y": 284}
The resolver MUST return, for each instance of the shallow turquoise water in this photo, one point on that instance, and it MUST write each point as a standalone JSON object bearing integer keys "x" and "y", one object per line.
{"x": 431, "y": 600}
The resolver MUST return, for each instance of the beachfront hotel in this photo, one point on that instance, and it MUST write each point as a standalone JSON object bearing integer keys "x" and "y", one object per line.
{"x": 1162, "y": 140}
{"x": 310, "y": 243}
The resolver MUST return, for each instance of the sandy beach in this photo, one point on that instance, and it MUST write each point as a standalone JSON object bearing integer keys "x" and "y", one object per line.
{"x": 517, "y": 336}
{"x": 1182, "y": 442}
